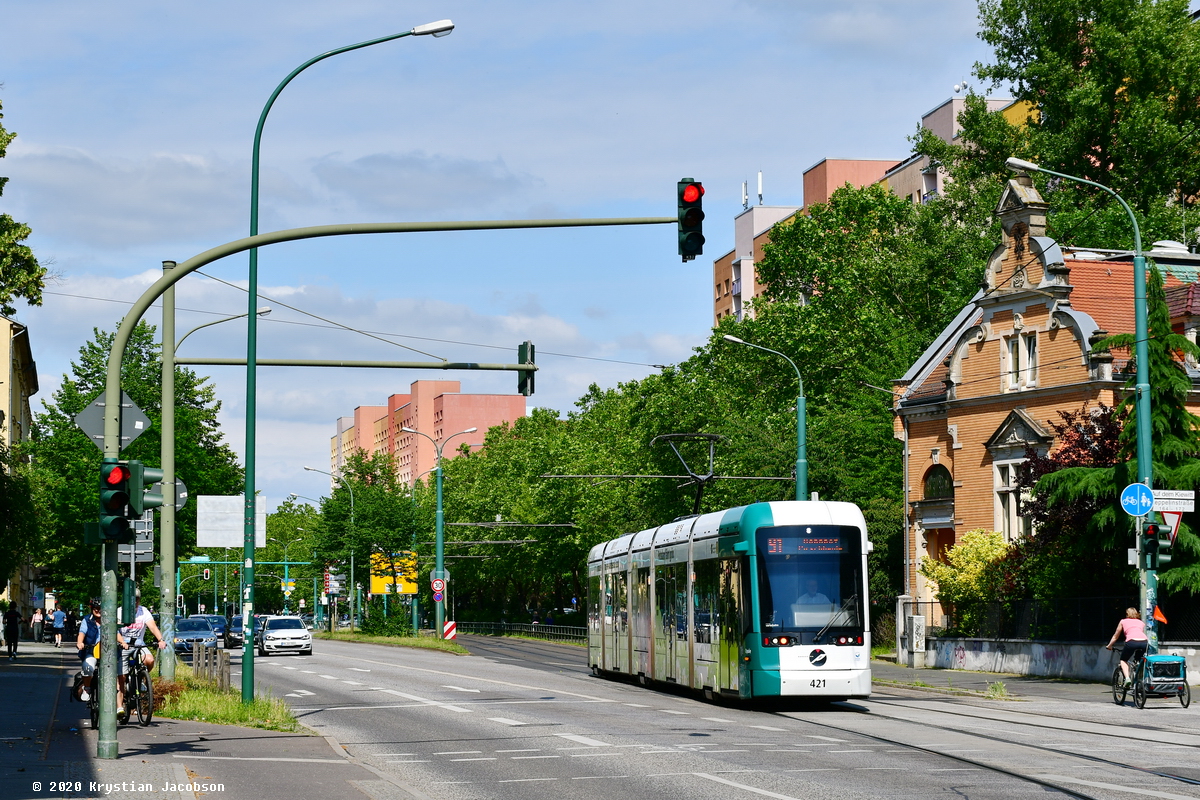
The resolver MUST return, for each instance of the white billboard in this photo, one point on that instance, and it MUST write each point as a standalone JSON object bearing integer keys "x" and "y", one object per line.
{"x": 220, "y": 521}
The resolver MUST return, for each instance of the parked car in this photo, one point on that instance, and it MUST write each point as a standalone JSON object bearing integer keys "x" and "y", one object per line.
{"x": 194, "y": 629}
{"x": 308, "y": 620}
{"x": 218, "y": 623}
{"x": 284, "y": 635}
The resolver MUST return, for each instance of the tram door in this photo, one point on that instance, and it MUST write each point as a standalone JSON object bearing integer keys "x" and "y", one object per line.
{"x": 732, "y": 613}
{"x": 670, "y": 616}
{"x": 617, "y": 647}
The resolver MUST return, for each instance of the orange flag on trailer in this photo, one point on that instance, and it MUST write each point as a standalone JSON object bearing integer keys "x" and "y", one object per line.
{"x": 1160, "y": 616}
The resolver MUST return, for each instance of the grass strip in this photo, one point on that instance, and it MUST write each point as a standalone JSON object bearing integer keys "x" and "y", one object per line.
{"x": 192, "y": 698}
{"x": 420, "y": 642}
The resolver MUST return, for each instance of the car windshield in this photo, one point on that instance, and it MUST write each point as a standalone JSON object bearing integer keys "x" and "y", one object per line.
{"x": 193, "y": 626}
{"x": 284, "y": 624}
{"x": 216, "y": 621}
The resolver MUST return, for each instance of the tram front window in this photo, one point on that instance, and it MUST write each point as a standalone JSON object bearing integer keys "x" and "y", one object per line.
{"x": 810, "y": 580}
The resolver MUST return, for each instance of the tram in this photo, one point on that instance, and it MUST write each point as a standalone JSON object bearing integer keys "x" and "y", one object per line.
{"x": 763, "y": 600}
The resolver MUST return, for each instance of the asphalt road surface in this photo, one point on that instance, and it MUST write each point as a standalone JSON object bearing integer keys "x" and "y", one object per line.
{"x": 526, "y": 720}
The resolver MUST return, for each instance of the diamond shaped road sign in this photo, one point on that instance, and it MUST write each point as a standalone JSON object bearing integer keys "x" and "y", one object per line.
{"x": 133, "y": 422}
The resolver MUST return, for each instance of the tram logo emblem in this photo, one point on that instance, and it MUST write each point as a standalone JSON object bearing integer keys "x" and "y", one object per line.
{"x": 817, "y": 658}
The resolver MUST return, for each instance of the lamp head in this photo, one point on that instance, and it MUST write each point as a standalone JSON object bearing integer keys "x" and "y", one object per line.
{"x": 408, "y": 430}
{"x": 1021, "y": 165}
{"x": 292, "y": 496}
{"x": 733, "y": 339}
{"x": 470, "y": 430}
{"x": 263, "y": 311}
{"x": 310, "y": 469}
{"x": 442, "y": 27}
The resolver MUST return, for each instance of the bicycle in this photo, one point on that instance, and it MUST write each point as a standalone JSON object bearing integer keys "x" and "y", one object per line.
{"x": 139, "y": 689}
{"x": 1152, "y": 676}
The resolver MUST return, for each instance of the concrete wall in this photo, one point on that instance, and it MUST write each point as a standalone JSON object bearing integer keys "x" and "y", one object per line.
{"x": 1085, "y": 661}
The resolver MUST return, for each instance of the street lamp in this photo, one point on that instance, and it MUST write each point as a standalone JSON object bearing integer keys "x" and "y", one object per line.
{"x": 439, "y": 28}
{"x": 353, "y": 591}
{"x": 439, "y": 523}
{"x": 801, "y": 420}
{"x": 167, "y": 555}
{"x": 1141, "y": 387}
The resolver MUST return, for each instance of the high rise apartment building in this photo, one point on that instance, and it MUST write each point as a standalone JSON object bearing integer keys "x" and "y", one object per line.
{"x": 435, "y": 408}
{"x": 735, "y": 279}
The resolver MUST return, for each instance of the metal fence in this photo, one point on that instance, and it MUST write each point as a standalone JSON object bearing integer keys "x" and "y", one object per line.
{"x": 1073, "y": 619}
{"x": 550, "y": 633}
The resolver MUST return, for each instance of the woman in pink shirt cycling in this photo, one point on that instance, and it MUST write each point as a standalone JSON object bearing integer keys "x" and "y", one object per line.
{"x": 1135, "y": 639}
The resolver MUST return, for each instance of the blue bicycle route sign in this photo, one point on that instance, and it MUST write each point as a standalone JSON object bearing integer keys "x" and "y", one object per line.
{"x": 1137, "y": 499}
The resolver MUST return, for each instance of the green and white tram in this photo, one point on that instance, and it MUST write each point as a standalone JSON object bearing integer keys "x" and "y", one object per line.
{"x": 763, "y": 600}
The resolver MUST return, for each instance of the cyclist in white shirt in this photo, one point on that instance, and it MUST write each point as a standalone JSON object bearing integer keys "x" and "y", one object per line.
{"x": 134, "y": 635}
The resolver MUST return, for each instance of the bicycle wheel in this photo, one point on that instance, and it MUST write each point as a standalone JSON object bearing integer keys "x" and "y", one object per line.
{"x": 1139, "y": 692}
{"x": 94, "y": 708}
{"x": 1119, "y": 691}
{"x": 1185, "y": 695}
{"x": 144, "y": 696}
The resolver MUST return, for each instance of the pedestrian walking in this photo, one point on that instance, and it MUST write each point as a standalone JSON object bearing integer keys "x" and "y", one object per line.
{"x": 37, "y": 622}
{"x": 59, "y": 620}
{"x": 12, "y": 630}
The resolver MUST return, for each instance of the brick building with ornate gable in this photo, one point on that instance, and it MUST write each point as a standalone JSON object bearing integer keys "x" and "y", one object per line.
{"x": 1014, "y": 357}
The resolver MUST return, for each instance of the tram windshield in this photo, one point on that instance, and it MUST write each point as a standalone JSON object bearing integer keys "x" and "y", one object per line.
{"x": 810, "y": 579}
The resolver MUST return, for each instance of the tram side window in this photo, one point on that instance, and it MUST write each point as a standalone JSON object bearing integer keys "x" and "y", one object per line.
{"x": 706, "y": 598}
{"x": 594, "y": 602}
{"x": 671, "y": 596}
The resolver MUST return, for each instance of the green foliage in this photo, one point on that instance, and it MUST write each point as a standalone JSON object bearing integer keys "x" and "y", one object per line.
{"x": 23, "y": 512}
{"x": 968, "y": 579}
{"x": 67, "y": 463}
{"x": 20, "y": 273}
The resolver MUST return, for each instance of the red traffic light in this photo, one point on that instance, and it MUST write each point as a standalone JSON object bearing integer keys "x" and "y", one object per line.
{"x": 692, "y": 192}
{"x": 117, "y": 475}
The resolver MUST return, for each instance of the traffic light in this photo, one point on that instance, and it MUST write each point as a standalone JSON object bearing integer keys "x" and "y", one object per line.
{"x": 114, "y": 502}
{"x": 207, "y": 573}
{"x": 691, "y": 218}
{"x": 1163, "y": 534}
{"x": 141, "y": 478}
{"x": 1150, "y": 548}
{"x": 525, "y": 353}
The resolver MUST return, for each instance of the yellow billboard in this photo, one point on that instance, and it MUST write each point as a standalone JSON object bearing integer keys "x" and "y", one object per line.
{"x": 394, "y": 573}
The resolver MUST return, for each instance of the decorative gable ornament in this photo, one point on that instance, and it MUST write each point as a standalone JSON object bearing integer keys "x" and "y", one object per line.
{"x": 1017, "y": 432}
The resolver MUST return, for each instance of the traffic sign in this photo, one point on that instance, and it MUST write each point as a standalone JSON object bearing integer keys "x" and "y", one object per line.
{"x": 437, "y": 597}
{"x": 1137, "y": 500}
{"x": 438, "y": 585}
{"x": 133, "y": 422}
{"x": 1174, "y": 500}
{"x": 1173, "y": 518}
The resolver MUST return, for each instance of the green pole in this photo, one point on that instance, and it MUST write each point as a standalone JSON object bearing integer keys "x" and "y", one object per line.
{"x": 166, "y": 538}
{"x": 439, "y": 606}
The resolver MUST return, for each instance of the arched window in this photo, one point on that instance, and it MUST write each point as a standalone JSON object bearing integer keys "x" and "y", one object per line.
{"x": 938, "y": 484}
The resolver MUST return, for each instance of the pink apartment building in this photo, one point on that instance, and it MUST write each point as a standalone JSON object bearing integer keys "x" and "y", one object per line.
{"x": 435, "y": 408}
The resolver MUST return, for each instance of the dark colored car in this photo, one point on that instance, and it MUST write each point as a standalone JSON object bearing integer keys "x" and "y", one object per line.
{"x": 193, "y": 629}
{"x": 218, "y": 623}
{"x": 235, "y": 636}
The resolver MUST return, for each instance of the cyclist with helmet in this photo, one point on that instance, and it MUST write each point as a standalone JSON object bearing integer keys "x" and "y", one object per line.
{"x": 134, "y": 635}
{"x": 1135, "y": 639}
{"x": 87, "y": 643}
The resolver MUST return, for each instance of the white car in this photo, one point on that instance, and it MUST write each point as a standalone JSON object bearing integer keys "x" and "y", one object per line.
{"x": 284, "y": 635}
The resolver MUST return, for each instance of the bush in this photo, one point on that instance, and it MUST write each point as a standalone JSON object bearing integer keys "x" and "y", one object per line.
{"x": 394, "y": 625}
{"x": 969, "y": 579}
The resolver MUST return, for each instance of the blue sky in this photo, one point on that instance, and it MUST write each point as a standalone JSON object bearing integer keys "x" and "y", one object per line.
{"x": 135, "y": 126}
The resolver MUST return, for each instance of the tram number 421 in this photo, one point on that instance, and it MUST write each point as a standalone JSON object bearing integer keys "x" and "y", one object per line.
{"x": 819, "y": 683}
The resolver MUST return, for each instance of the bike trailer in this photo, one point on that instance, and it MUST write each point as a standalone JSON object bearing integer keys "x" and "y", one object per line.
{"x": 1165, "y": 673}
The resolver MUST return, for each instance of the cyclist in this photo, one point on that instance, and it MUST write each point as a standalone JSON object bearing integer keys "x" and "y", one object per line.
{"x": 1134, "y": 631}
{"x": 134, "y": 635}
{"x": 85, "y": 642}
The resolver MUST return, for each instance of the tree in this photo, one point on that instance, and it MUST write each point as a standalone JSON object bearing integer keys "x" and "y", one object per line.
{"x": 69, "y": 463}
{"x": 23, "y": 511}
{"x": 20, "y": 273}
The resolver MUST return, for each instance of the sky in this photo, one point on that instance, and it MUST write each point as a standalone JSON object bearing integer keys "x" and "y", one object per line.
{"x": 135, "y": 124}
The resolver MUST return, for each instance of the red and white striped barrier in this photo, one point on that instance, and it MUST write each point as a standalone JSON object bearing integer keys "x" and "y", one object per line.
{"x": 449, "y": 630}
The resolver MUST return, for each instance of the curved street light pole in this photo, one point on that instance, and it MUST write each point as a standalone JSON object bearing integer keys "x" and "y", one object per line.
{"x": 439, "y": 525}
{"x": 1141, "y": 387}
{"x": 353, "y": 530}
{"x": 440, "y": 28}
{"x": 801, "y": 420}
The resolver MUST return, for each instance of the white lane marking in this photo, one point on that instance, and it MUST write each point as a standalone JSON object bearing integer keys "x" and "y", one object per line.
{"x": 525, "y": 758}
{"x": 831, "y": 739}
{"x": 669, "y": 711}
{"x": 820, "y": 769}
{"x": 592, "y": 755}
{"x": 527, "y": 750}
{"x": 718, "y": 719}
{"x": 1113, "y": 787}
{"x": 393, "y": 755}
{"x": 290, "y": 668}
{"x": 458, "y": 752}
{"x": 527, "y": 780}
{"x": 747, "y": 751}
{"x": 303, "y": 692}
{"x": 352, "y": 683}
{"x": 483, "y": 758}
{"x": 867, "y": 751}
{"x": 505, "y": 721}
{"x": 329, "y": 677}
{"x": 598, "y": 777}
{"x": 565, "y": 664}
{"x": 636, "y": 705}
{"x": 877, "y": 768}
{"x": 955, "y": 769}
{"x": 426, "y": 761}
{"x": 769, "y": 728}
{"x": 293, "y": 694}
{"x": 309, "y": 671}
{"x": 571, "y": 737}
{"x": 427, "y": 701}
{"x": 355, "y": 669}
{"x": 651, "y": 752}
{"x": 242, "y": 758}
{"x": 460, "y": 689}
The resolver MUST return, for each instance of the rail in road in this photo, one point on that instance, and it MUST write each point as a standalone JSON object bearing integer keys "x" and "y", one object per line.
{"x": 507, "y": 723}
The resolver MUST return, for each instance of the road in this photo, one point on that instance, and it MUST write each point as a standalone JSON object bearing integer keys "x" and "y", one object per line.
{"x": 526, "y": 720}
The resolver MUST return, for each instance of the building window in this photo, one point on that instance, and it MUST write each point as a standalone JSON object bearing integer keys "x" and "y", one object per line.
{"x": 1008, "y": 497}
{"x": 1021, "y": 357}
{"x": 939, "y": 485}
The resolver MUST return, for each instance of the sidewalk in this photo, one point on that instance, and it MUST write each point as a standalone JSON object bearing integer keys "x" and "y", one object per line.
{"x": 1030, "y": 686}
{"x": 48, "y": 750}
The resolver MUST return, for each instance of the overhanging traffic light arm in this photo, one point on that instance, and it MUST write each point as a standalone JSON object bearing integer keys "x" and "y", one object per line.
{"x": 112, "y": 390}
